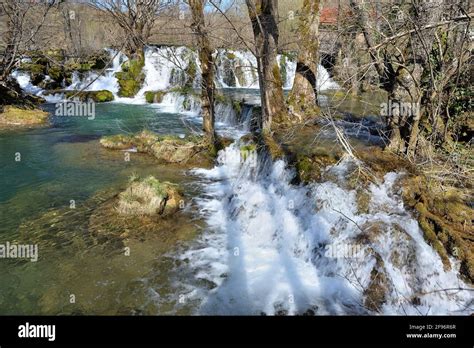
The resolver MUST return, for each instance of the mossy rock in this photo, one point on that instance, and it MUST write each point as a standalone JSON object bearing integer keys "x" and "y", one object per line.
{"x": 33, "y": 68}
{"x": 57, "y": 55}
{"x": 445, "y": 218}
{"x": 154, "y": 96}
{"x": 175, "y": 150}
{"x": 15, "y": 116}
{"x": 131, "y": 78}
{"x": 117, "y": 142}
{"x": 310, "y": 167}
{"x": 55, "y": 72}
{"x": 168, "y": 148}
{"x": 149, "y": 196}
{"x": 101, "y": 96}
{"x": 230, "y": 55}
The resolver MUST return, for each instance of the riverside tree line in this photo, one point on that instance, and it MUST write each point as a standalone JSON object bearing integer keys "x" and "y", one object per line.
{"x": 417, "y": 51}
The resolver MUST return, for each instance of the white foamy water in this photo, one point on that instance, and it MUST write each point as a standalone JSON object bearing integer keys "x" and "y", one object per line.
{"x": 91, "y": 81}
{"x": 24, "y": 80}
{"x": 265, "y": 249}
{"x": 167, "y": 67}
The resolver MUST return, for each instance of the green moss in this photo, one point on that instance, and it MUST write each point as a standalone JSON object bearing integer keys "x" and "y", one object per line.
{"x": 190, "y": 71}
{"x": 237, "y": 105}
{"x": 33, "y": 68}
{"x": 186, "y": 104}
{"x": 158, "y": 187}
{"x": 103, "y": 96}
{"x": 56, "y": 55}
{"x": 56, "y": 73}
{"x": 304, "y": 165}
{"x": 246, "y": 150}
{"x": 131, "y": 78}
{"x": 150, "y": 97}
{"x": 283, "y": 72}
{"x": 96, "y": 96}
{"x": 154, "y": 96}
{"x": 230, "y": 55}
{"x": 274, "y": 148}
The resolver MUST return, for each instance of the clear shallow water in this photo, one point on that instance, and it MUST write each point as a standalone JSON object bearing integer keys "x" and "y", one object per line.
{"x": 191, "y": 265}
{"x": 65, "y": 162}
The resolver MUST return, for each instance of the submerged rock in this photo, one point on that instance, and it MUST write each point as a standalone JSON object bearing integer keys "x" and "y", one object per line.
{"x": 154, "y": 96}
{"x": 170, "y": 149}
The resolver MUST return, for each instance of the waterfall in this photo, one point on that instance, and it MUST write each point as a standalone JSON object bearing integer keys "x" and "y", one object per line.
{"x": 177, "y": 67}
{"x": 91, "y": 81}
{"x": 276, "y": 248}
{"x": 24, "y": 80}
{"x": 178, "y": 103}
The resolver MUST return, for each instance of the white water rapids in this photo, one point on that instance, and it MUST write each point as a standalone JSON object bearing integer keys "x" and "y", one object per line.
{"x": 266, "y": 246}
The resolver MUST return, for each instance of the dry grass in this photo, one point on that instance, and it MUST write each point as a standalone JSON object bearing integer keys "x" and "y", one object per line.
{"x": 18, "y": 117}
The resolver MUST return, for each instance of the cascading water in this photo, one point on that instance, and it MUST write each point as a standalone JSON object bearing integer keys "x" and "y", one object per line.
{"x": 174, "y": 67}
{"x": 91, "y": 81}
{"x": 167, "y": 67}
{"x": 276, "y": 248}
{"x": 24, "y": 80}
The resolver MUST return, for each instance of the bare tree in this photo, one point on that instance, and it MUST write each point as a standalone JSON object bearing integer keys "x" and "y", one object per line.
{"x": 263, "y": 16}
{"x": 416, "y": 65}
{"x": 206, "y": 61}
{"x": 136, "y": 18}
{"x": 23, "y": 20}
{"x": 20, "y": 30}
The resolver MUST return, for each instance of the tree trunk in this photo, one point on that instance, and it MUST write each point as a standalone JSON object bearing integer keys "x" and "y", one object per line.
{"x": 408, "y": 85}
{"x": 206, "y": 62}
{"x": 304, "y": 96}
{"x": 403, "y": 79}
{"x": 263, "y": 16}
